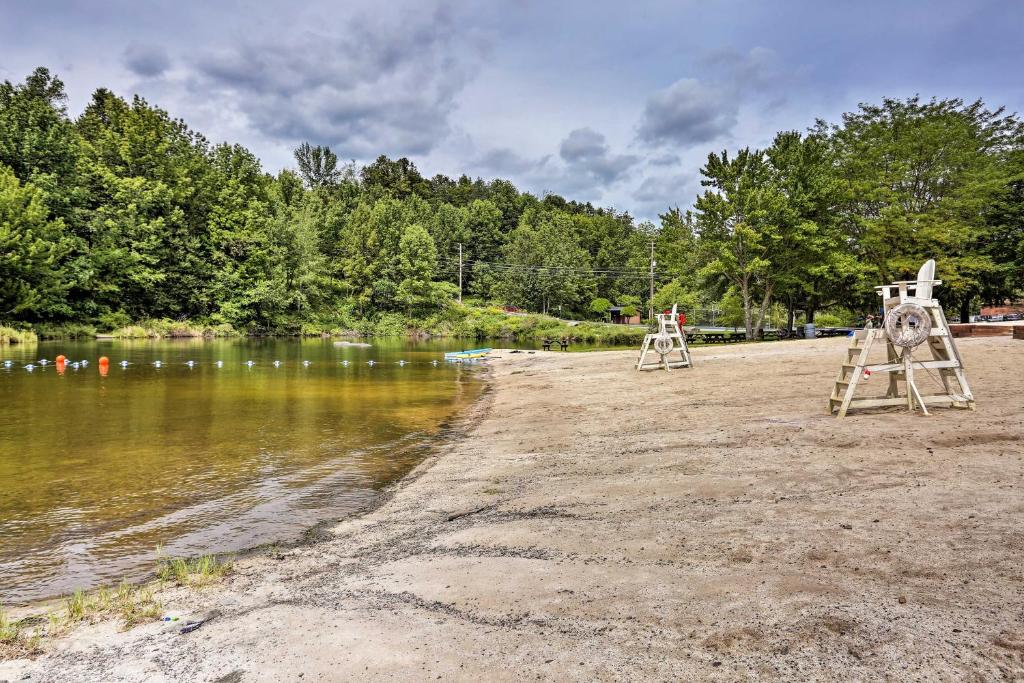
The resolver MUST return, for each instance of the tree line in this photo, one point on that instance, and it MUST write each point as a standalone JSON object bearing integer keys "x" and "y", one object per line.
{"x": 124, "y": 213}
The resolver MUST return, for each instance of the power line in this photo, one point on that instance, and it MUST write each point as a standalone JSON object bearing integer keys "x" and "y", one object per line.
{"x": 567, "y": 269}
{"x": 452, "y": 267}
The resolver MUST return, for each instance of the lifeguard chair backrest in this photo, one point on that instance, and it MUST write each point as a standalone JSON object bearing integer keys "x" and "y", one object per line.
{"x": 924, "y": 278}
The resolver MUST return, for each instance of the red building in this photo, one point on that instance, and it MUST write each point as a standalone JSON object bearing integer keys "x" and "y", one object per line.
{"x": 1006, "y": 307}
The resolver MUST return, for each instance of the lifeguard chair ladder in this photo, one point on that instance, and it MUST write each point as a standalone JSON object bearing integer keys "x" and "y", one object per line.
{"x": 669, "y": 339}
{"x": 900, "y": 363}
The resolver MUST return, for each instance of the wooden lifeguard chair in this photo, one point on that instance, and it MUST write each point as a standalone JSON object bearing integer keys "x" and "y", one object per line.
{"x": 669, "y": 339}
{"x": 912, "y": 319}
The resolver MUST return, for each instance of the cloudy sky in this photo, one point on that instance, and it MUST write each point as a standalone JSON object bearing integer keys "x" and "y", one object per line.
{"x": 612, "y": 102}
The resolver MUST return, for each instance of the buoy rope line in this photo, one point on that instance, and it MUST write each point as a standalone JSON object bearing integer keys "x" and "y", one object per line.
{"x": 158, "y": 364}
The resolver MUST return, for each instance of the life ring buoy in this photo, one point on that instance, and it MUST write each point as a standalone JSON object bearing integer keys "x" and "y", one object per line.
{"x": 908, "y": 325}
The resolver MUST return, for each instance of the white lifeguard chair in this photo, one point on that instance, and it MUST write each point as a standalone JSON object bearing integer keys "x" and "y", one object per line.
{"x": 912, "y": 318}
{"x": 669, "y": 339}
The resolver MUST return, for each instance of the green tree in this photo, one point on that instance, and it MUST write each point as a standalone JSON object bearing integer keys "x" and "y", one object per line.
{"x": 544, "y": 268}
{"x": 31, "y": 247}
{"x": 483, "y": 229}
{"x": 241, "y": 253}
{"x": 600, "y": 307}
{"x": 418, "y": 291}
{"x": 448, "y": 228}
{"x": 151, "y": 191}
{"x": 297, "y": 275}
{"x": 676, "y": 246}
{"x": 630, "y": 305}
{"x": 38, "y": 142}
{"x": 393, "y": 178}
{"x": 675, "y": 293}
{"x": 1004, "y": 218}
{"x": 815, "y": 265}
{"x": 742, "y": 220}
{"x": 318, "y": 166}
{"x": 370, "y": 251}
{"x": 919, "y": 177}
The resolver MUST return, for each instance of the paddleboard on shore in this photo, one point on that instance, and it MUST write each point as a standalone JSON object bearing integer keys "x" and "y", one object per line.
{"x": 470, "y": 353}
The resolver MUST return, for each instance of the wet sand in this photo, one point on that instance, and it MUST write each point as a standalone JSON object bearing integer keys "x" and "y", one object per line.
{"x": 593, "y": 523}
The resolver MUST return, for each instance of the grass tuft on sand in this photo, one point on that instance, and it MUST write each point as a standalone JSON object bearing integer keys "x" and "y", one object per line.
{"x": 132, "y": 604}
{"x": 196, "y": 572}
{"x": 129, "y": 603}
{"x": 16, "y": 640}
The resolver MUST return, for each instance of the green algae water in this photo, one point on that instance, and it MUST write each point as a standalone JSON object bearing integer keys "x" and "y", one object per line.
{"x": 98, "y": 472}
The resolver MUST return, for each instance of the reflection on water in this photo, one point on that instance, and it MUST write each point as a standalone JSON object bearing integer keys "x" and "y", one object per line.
{"x": 98, "y": 471}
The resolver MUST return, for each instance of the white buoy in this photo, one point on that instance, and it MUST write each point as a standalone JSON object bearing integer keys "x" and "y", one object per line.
{"x": 158, "y": 363}
{"x": 190, "y": 363}
{"x": 277, "y": 363}
{"x": 220, "y": 364}
{"x": 7, "y": 363}
{"x": 30, "y": 367}
{"x": 433, "y": 362}
{"x": 344, "y": 363}
{"x": 85, "y": 363}
{"x": 125, "y": 364}
{"x": 43, "y": 361}
{"x": 401, "y": 363}
{"x": 305, "y": 363}
{"x": 250, "y": 363}
{"x": 74, "y": 365}
{"x": 371, "y": 363}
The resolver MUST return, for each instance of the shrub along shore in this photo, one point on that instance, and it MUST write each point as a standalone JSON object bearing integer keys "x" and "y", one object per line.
{"x": 10, "y": 335}
{"x": 455, "y": 322}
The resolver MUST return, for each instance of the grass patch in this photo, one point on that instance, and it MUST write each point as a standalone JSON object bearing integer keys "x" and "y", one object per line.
{"x": 131, "y": 332}
{"x": 65, "y": 331}
{"x": 199, "y": 571}
{"x": 131, "y": 604}
{"x": 135, "y": 606}
{"x": 173, "y": 329}
{"x": 472, "y": 322}
{"x": 16, "y": 640}
{"x": 10, "y": 335}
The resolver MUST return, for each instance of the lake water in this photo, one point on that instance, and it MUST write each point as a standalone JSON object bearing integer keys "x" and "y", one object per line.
{"x": 97, "y": 472}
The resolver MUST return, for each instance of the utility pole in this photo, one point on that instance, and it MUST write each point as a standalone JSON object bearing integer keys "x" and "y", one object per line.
{"x": 651, "y": 300}
{"x": 460, "y": 272}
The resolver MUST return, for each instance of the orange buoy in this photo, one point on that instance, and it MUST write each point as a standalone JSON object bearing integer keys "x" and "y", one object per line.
{"x": 61, "y": 358}
{"x": 104, "y": 360}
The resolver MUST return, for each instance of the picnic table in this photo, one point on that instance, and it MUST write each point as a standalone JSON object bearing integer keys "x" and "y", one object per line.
{"x": 563, "y": 343}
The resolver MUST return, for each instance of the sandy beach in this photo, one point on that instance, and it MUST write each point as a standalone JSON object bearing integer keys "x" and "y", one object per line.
{"x": 589, "y": 522}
